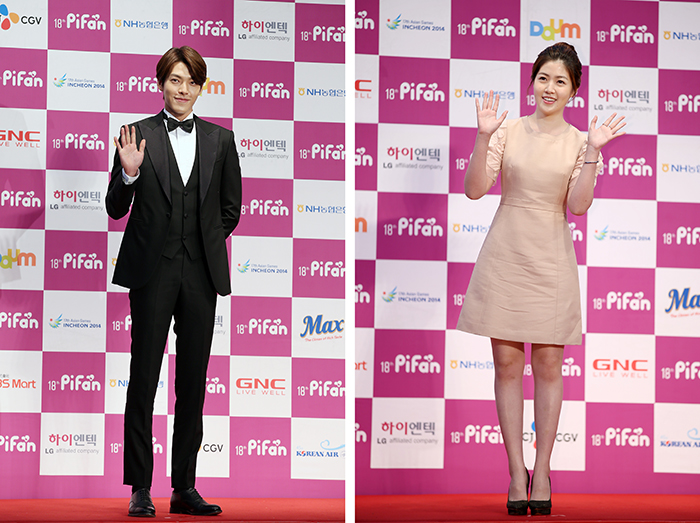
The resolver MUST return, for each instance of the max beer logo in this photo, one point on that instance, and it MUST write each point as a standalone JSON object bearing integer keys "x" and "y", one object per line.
{"x": 318, "y": 326}
{"x": 683, "y": 300}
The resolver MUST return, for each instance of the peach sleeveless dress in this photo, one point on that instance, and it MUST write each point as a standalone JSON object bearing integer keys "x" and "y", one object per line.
{"x": 525, "y": 282}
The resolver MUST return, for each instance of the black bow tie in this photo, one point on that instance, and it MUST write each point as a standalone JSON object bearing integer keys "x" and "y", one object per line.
{"x": 185, "y": 125}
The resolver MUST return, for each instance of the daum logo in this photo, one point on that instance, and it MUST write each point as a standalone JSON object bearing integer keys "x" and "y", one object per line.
{"x": 683, "y": 300}
{"x": 266, "y": 447}
{"x": 213, "y": 87}
{"x": 81, "y": 21}
{"x": 17, "y": 443}
{"x": 627, "y": 166}
{"x": 21, "y": 79}
{"x": 205, "y": 28}
{"x": 363, "y": 22}
{"x": 19, "y": 199}
{"x": 551, "y": 31}
{"x": 18, "y": 320}
{"x": 20, "y": 259}
{"x": 626, "y": 34}
{"x": 8, "y": 18}
{"x": 318, "y": 326}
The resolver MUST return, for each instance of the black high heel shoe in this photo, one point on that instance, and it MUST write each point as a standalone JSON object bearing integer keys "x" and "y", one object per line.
{"x": 519, "y": 508}
{"x": 542, "y": 507}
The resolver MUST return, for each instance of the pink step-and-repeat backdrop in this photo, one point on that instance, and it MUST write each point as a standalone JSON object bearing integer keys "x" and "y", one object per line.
{"x": 73, "y": 72}
{"x": 426, "y": 419}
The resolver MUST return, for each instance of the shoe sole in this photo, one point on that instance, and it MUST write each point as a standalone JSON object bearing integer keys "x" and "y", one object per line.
{"x": 193, "y": 513}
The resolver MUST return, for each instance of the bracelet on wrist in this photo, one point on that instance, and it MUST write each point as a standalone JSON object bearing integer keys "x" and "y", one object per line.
{"x": 596, "y": 161}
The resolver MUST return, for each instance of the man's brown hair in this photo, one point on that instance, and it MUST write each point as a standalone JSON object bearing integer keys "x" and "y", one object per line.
{"x": 192, "y": 59}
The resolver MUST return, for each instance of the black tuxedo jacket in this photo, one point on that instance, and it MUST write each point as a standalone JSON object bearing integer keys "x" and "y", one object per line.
{"x": 147, "y": 228}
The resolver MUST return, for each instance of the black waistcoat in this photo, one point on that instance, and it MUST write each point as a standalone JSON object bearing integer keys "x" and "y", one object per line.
{"x": 185, "y": 228}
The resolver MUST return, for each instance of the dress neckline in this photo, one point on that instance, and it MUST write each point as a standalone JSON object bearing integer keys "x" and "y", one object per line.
{"x": 536, "y": 132}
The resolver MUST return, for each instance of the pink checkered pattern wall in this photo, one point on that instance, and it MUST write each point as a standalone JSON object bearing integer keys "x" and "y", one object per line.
{"x": 425, "y": 413}
{"x": 73, "y": 72}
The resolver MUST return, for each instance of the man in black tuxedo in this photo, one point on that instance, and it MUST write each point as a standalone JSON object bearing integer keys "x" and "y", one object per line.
{"x": 184, "y": 191}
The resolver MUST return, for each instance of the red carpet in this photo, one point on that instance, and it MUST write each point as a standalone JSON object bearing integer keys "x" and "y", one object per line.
{"x": 492, "y": 507}
{"x": 114, "y": 510}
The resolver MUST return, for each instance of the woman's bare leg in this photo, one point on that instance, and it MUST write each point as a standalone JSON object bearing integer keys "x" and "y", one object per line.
{"x": 509, "y": 362}
{"x": 546, "y": 369}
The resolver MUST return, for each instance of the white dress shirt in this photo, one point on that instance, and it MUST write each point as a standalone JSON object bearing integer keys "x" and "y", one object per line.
{"x": 184, "y": 146}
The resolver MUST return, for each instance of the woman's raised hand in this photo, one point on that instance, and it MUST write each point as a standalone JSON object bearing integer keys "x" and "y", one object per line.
{"x": 486, "y": 114}
{"x": 610, "y": 130}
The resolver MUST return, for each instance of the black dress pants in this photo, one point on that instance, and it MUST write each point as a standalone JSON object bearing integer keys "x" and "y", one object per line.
{"x": 180, "y": 288}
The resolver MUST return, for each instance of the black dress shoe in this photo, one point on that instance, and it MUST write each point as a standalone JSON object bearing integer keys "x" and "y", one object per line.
{"x": 141, "y": 504}
{"x": 519, "y": 507}
{"x": 542, "y": 507}
{"x": 190, "y": 502}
